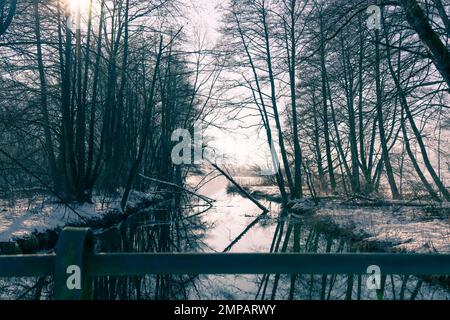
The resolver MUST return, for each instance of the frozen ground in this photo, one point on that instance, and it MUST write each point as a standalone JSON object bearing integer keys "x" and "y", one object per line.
{"x": 400, "y": 228}
{"x": 23, "y": 216}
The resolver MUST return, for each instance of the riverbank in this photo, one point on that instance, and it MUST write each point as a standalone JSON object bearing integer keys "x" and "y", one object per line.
{"x": 378, "y": 225}
{"x": 28, "y": 226}
{"x": 394, "y": 229}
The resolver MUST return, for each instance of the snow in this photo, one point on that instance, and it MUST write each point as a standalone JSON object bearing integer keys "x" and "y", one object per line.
{"x": 403, "y": 229}
{"x": 25, "y": 216}
{"x": 398, "y": 227}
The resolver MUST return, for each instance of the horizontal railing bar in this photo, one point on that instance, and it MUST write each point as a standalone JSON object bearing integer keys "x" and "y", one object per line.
{"x": 33, "y": 265}
{"x": 127, "y": 264}
{"x": 124, "y": 264}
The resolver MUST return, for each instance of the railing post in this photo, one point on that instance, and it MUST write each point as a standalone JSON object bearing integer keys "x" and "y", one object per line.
{"x": 71, "y": 281}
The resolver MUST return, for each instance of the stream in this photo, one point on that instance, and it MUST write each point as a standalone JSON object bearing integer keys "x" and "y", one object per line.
{"x": 233, "y": 224}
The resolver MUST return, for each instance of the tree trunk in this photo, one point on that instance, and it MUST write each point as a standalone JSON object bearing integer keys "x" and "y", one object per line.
{"x": 349, "y": 91}
{"x": 298, "y": 191}
{"x": 416, "y": 131}
{"x": 382, "y": 133}
{"x": 145, "y": 131}
{"x": 53, "y": 169}
{"x": 326, "y": 130}
{"x": 5, "y": 21}
{"x": 419, "y": 22}
{"x": 264, "y": 117}
{"x": 274, "y": 104}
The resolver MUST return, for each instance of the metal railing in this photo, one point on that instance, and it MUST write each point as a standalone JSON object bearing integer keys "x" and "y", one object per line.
{"x": 74, "y": 248}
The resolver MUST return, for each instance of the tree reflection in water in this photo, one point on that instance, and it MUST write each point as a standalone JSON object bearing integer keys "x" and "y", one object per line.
{"x": 183, "y": 225}
{"x": 297, "y": 235}
{"x": 168, "y": 228}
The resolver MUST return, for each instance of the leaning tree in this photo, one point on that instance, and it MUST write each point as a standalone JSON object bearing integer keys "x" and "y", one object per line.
{"x": 7, "y": 10}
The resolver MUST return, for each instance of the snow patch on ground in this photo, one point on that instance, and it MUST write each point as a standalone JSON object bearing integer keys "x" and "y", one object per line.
{"x": 21, "y": 217}
{"x": 406, "y": 229}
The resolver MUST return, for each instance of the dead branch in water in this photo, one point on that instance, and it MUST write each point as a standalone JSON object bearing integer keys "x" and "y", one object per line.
{"x": 242, "y": 190}
{"x": 208, "y": 200}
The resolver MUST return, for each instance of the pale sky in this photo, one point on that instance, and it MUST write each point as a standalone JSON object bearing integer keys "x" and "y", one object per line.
{"x": 242, "y": 145}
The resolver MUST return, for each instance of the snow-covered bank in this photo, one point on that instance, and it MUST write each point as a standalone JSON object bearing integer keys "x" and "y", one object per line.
{"x": 405, "y": 229}
{"x": 387, "y": 225}
{"x": 25, "y": 217}
{"x": 394, "y": 228}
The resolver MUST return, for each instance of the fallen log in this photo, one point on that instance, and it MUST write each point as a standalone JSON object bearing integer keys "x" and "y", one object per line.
{"x": 242, "y": 190}
{"x": 377, "y": 202}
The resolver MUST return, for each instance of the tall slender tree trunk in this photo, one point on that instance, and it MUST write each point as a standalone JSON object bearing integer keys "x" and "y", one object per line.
{"x": 145, "y": 131}
{"x": 265, "y": 118}
{"x": 80, "y": 141}
{"x": 381, "y": 131}
{"x": 67, "y": 136}
{"x": 274, "y": 103}
{"x": 338, "y": 141}
{"x": 349, "y": 91}
{"x": 90, "y": 169}
{"x": 361, "y": 138}
{"x": 53, "y": 169}
{"x": 405, "y": 108}
{"x": 298, "y": 190}
{"x": 317, "y": 146}
{"x": 326, "y": 130}
{"x": 118, "y": 147}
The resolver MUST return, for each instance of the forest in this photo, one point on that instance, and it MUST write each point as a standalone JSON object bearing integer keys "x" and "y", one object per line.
{"x": 348, "y": 100}
{"x": 353, "y": 111}
{"x": 85, "y": 109}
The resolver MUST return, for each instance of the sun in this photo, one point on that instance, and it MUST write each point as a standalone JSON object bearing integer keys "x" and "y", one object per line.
{"x": 81, "y": 5}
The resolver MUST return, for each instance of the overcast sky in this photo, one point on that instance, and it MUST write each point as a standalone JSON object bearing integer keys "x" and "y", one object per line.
{"x": 240, "y": 145}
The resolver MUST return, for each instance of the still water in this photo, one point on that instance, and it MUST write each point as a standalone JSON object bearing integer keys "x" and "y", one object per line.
{"x": 235, "y": 224}
{"x": 232, "y": 224}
